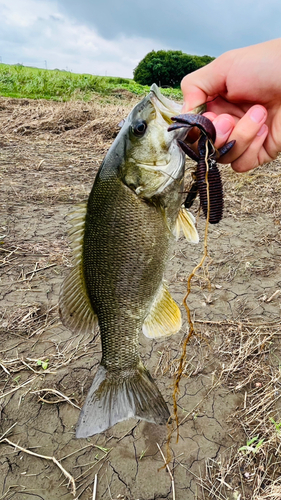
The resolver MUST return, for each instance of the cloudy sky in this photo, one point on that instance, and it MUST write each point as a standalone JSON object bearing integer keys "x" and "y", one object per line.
{"x": 110, "y": 37}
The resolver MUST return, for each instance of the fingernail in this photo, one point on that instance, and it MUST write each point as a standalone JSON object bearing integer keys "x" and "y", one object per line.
{"x": 257, "y": 114}
{"x": 223, "y": 126}
{"x": 262, "y": 130}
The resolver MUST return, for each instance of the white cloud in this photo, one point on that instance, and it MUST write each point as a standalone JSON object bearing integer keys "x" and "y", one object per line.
{"x": 110, "y": 37}
{"x": 34, "y": 32}
{"x": 206, "y": 27}
{"x": 24, "y": 14}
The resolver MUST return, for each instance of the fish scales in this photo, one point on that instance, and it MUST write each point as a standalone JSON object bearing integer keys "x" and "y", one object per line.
{"x": 121, "y": 243}
{"x": 122, "y": 274}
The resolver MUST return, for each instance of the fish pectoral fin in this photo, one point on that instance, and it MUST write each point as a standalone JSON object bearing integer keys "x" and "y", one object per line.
{"x": 164, "y": 317}
{"x": 186, "y": 223}
{"x": 75, "y": 308}
{"x": 119, "y": 395}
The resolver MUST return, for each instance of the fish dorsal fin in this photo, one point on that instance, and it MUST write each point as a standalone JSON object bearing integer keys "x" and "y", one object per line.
{"x": 164, "y": 317}
{"x": 75, "y": 308}
{"x": 186, "y": 222}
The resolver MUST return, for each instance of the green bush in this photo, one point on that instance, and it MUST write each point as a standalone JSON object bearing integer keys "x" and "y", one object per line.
{"x": 167, "y": 68}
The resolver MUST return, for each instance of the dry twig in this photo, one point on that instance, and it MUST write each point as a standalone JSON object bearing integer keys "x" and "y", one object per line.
{"x": 169, "y": 471}
{"x": 53, "y": 459}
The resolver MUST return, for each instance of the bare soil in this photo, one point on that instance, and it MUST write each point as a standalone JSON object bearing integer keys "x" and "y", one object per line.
{"x": 49, "y": 155}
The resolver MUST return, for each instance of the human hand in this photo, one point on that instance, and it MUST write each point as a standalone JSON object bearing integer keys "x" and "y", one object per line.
{"x": 243, "y": 91}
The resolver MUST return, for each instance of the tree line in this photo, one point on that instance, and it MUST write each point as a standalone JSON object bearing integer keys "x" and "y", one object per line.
{"x": 167, "y": 67}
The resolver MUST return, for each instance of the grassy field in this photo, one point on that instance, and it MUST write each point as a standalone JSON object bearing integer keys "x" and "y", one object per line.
{"x": 34, "y": 83}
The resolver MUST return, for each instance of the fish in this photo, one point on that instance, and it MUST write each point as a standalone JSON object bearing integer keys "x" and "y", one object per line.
{"x": 121, "y": 242}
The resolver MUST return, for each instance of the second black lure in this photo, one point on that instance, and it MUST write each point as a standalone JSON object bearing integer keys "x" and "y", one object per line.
{"x": 207, "y": 139}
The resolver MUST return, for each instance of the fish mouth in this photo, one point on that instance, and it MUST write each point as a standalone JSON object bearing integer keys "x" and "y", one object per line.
{"x": 167, "y": 108}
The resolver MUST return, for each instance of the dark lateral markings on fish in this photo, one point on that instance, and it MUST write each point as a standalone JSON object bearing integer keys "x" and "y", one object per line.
{"x": 121, "y": 240}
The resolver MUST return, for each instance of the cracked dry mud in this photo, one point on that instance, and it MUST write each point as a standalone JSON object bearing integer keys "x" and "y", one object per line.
{"x": 44, "y": 173}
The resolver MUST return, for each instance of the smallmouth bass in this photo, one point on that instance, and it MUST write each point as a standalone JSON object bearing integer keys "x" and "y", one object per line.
{"x": 121, "y": 242}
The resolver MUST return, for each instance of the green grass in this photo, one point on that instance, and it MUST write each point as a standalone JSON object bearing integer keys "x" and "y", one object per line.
{"x": 34, "y": 83}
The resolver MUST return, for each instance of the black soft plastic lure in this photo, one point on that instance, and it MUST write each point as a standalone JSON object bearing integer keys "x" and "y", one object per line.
{"x": 206, "y": 140}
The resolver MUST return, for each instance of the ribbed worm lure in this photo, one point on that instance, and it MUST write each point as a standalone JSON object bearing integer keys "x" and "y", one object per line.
{"x": 206, "y": 164}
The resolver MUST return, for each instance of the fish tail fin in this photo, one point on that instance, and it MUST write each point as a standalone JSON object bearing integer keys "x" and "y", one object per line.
{"x": 119, "y": 395}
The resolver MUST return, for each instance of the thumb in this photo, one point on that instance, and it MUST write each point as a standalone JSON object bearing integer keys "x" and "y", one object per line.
{"x": 207, "y": 81}
{"x": 193, "y": 97}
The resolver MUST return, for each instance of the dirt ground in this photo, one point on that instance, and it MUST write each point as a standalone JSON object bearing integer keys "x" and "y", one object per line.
{"x": 230, "y": 390}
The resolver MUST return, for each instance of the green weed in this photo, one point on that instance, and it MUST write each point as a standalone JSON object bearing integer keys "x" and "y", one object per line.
{"x": 277, "y": 425}
{"x": 44, "y": 364}
{"x": 143, "y": 453}
{"x": 252, "y": 449}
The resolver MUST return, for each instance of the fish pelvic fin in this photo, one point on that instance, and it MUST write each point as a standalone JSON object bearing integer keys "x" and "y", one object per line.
{"x": 120, "y": 395}
{"x": 186, "y": 223}
{"x": 75, "y": 308}
{"x": 164, "y": 318}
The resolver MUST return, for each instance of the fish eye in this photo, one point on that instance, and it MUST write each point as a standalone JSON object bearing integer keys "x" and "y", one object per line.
{"x": 139, "y": 128}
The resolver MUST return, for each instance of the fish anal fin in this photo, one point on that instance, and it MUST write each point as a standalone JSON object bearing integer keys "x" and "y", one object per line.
{"x": 75, "y": 308}
{"x": 117, "y": 396}
{"x": 186, "y": 223}
{"x": 164, "y": 318}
